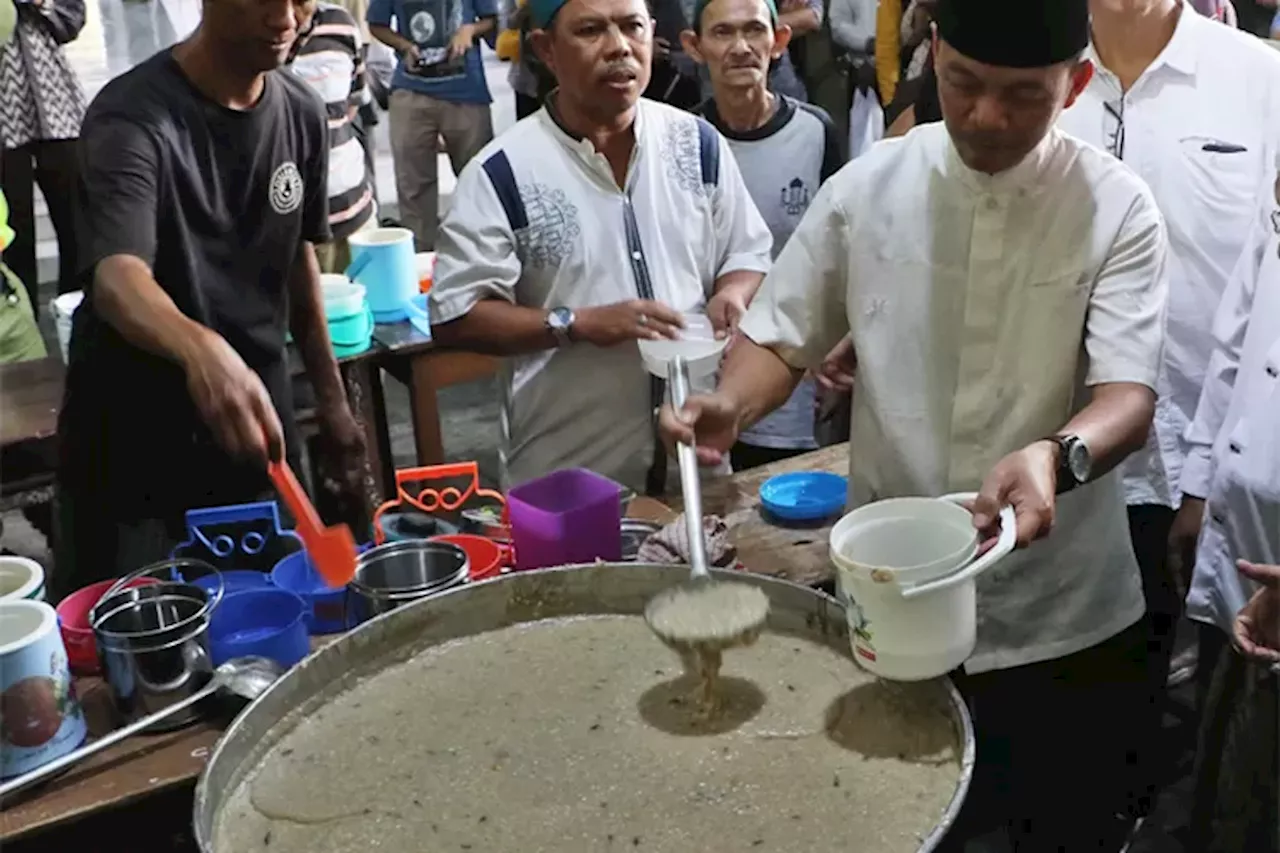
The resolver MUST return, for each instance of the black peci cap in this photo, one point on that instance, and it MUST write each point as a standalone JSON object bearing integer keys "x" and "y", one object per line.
{"x": 1015, "y": 33}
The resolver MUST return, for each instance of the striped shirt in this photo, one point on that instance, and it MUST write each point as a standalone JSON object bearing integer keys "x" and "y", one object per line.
{"x": 330, "y": 57}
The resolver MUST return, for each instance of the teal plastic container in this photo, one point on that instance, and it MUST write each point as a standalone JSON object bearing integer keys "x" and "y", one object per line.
{"x": 353, "y": 334}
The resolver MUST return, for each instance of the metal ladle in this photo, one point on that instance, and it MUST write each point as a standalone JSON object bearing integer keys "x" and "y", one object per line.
{"x": 246, "y": 677}
{"x": 704, "y": 614}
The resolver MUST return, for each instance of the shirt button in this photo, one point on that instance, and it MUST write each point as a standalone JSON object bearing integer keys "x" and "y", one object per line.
{"x": 635, "y": 256}
{"x": 1271, "y": 371}
{"x": 1233, "y": 447}
{"x": 1218, "y": 518}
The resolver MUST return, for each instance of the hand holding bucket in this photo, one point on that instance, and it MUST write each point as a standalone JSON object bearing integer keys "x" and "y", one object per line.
{"x": 907, "y": 569}
{"x": 1004, "y": 545}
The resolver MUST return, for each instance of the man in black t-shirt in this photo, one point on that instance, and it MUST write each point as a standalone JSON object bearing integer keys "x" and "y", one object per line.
{"x": 203, "y": 193}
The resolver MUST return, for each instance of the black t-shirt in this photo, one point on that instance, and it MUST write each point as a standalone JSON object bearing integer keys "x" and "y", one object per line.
{"x": 217, "y": 201}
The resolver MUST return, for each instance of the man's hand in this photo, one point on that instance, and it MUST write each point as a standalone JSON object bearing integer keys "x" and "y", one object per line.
{"x": 839, "y": 367}
{"x": 1183, "y": 536}
{"x": 727, "y": 308}
{"x": 410, "y": 54}
{"x": 342, "y": 461}
{"x": 233, "y": 401}
{"x": 637, "y": 320}
{"x": 711, "y": 421}
{"x": 461, "y": 41}
{"x": 1257, "y": 626}
{"x": 1026, "y": 481}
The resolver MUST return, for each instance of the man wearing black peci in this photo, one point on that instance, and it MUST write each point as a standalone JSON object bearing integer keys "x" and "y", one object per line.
{"x": 203, "y": 193}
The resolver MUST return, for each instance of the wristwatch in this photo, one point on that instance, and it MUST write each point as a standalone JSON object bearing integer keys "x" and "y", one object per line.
{"x": 1075, "y": 463}
{"x": 560, "y": 324}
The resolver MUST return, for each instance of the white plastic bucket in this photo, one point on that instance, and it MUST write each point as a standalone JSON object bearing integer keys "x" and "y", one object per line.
{"x": 40, "y": 719}
{"x": 21, "y": 578}
{"x": 906, "y": 570}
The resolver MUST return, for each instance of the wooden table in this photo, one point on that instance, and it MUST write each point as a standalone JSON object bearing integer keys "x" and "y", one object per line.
{"x": 797, "y": 553}
{"x": 422, "y": 366}
{"x": 30, "y": 397}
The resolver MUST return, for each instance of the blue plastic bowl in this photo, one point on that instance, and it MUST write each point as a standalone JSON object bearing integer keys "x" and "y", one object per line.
{"x": 804, "y": 495}
{"x": 326, "y": 608}
{"x": 268, "y": 622}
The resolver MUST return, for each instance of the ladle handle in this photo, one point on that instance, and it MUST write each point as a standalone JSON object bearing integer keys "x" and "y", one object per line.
{"x": 690, "y": 485}
{"x": 54, "y": 767}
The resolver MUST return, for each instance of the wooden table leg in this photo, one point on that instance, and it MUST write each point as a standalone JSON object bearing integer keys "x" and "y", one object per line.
{"x": 426, "y": 410}
{"x": 430, "y": 371}
{"x": 364, "y": 391}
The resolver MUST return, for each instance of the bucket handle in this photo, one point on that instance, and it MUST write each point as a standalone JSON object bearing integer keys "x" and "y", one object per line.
{"x": 358, "y": 264}
{"x": 1003, "y": 547}
{"x": 172, "y": 566}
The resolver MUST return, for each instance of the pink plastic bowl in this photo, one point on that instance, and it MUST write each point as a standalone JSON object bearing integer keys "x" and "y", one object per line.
{"x": 73, "y": 619}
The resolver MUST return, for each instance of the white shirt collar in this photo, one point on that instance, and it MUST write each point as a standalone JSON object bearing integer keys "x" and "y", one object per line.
{"x": 1025, "y": 177}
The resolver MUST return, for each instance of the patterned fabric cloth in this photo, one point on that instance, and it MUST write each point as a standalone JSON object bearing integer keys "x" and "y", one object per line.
{"x": 670, "y": 545}
{"x": 40, "y": 96}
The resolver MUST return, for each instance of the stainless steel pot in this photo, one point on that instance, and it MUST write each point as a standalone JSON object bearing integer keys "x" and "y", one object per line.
{"x": 153, "y": 641}
{"x": 400, "y": 572}
{"x": 474, "y": 609}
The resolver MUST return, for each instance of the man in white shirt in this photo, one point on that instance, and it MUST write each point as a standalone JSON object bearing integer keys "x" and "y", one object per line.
{"x": 1162, "y": 100}
{"x": 592, "y": 224}
{"x": 1006, "y": 309}
{"x": 1234, "y": 460}
{"x": 785, "y": 149}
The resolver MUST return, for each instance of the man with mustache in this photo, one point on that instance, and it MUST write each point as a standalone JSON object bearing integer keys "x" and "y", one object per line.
{"x": 786, "y": 150}
{"x": 1005, "y": 304}
{"x": 203, "y": 197}
{"x": 594, "y": 223}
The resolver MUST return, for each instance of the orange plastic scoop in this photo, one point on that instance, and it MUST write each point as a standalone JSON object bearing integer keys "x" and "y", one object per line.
{"x": 332, "y": 549}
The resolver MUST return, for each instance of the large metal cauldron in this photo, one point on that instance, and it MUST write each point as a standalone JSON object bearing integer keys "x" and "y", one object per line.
{"x": 511, "y": 599}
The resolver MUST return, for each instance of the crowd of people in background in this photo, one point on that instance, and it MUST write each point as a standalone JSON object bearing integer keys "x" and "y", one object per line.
{"x": 761, "y": 104}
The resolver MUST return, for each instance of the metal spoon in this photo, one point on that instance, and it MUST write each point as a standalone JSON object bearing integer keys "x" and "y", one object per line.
{"x": 247, "y": 677}
{"x": 704, "y": 612}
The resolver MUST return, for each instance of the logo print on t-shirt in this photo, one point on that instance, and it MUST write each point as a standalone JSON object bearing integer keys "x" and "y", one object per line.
{"x": 422, "y": 27}
{"x": 286, "y": 189}
{"x": 795, "y": 197}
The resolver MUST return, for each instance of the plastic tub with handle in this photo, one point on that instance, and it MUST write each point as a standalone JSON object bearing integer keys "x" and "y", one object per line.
{"x": 907, "y": 569}
{"x": 382, "y": 259}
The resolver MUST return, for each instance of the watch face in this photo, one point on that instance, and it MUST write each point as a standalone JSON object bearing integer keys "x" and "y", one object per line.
{"x": 1080, "y": 462}
{"x": 560, "y": 318}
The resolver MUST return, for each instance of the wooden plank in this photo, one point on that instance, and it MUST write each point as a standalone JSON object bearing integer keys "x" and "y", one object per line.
{"x": 797, "y": 553}
{"x": 30, "y": 397}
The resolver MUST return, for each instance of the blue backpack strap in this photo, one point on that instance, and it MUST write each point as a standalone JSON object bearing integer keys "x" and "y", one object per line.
{"x": 498, "y": 168}
{"x": 709, "y": 153}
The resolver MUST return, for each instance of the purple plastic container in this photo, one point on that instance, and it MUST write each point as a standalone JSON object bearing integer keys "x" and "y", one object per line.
{"x": 568, "y": 517}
